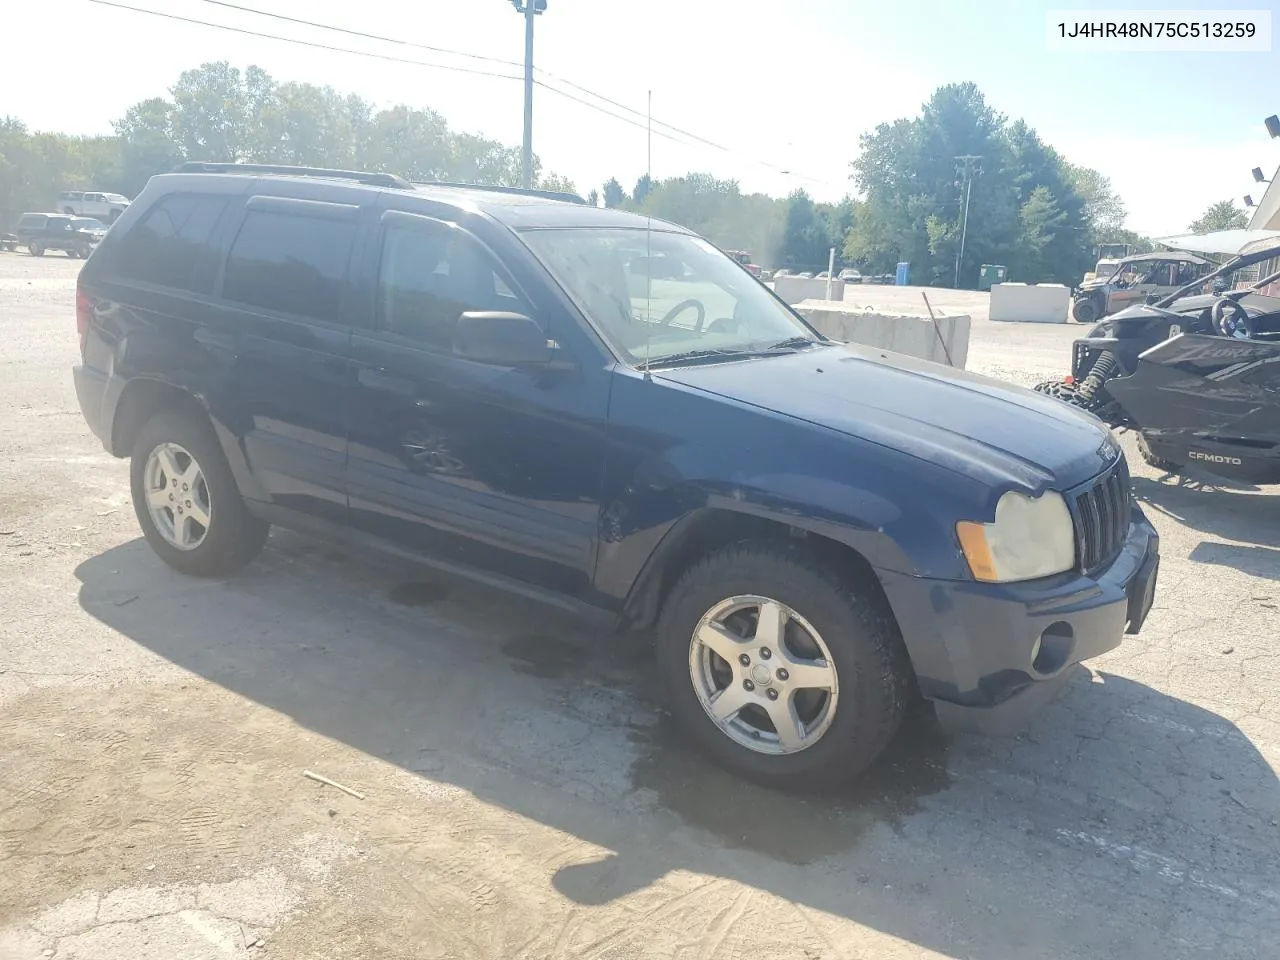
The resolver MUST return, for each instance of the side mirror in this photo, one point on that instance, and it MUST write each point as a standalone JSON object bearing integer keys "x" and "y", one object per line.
{"x": 504, "y": 339}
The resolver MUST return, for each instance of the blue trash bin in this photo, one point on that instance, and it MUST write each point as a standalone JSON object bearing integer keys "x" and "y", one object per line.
{"x": 901, "y": 278}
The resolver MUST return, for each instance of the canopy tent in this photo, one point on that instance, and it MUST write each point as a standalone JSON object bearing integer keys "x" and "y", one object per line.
{"x": 1229, "y": 242}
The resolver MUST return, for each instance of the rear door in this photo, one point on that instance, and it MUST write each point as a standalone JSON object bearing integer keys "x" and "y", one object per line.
{"x": 286, "y": 292}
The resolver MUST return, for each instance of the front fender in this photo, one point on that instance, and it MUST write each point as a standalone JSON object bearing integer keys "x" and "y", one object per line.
{"x": 675, "y": 453}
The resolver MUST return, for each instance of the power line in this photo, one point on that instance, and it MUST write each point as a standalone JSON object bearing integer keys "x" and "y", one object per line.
{"x": 512, "y": 63}
{"x": 302, "y": 43}
{"x": 462, "y": 53}
{"x": 366, "y": 36}
{"x": 681, "y": 137}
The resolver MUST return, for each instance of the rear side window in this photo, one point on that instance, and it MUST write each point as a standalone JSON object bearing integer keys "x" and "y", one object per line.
{"x": 165, "y": 246}
{"x": 30, "y": 222}
{"x": 290, "y": 263}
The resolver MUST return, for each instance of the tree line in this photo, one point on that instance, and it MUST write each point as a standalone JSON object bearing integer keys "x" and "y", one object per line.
{"x": 216, "y": 112}
{"x": 1029, "y": 208}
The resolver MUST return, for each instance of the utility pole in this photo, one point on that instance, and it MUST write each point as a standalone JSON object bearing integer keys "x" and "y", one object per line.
{"x": 530, "y": 9}
{"x": 967, "y": 167}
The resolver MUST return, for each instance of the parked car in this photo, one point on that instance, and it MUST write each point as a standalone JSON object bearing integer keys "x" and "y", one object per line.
{"x": 75, "y": 236}
{"x": 849, "y": 275}
{"x": 8, "y": 241}
{"x": 1135, "y": 280}
{"x": 88, "y": 203}
{"x": 815, "y": 534}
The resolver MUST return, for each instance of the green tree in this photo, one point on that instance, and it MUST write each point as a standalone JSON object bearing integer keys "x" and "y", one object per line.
{"x": 641, "y": 192}
{"x": 1223, "y": 215}
{"x": 914, "y": 196}
{"x": 614, "y": 195}
{"x": 593, "y": 198}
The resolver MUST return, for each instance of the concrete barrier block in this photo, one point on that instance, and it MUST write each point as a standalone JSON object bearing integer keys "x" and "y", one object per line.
{"x": 1030, "y": 303}
{"x": 795, "y": 289}
{"x": 911, "y": 334}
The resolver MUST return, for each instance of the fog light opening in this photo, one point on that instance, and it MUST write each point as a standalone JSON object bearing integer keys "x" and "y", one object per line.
{"x": 1052, "y": 648}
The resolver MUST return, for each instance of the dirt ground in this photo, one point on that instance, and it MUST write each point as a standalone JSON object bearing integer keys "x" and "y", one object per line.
{"x": 523, "y": 794}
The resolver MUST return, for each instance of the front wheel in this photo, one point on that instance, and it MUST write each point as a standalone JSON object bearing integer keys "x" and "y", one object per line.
{"x": 1152, "y": 459}
{"x": 35, "y": 249}
{"x": 779, "y": 668}
{"x": 1085, "y": 310}
{"x": 186, "y": 498}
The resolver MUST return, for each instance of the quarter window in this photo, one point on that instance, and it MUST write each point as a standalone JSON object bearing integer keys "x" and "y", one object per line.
{"x": 164, "y": 247}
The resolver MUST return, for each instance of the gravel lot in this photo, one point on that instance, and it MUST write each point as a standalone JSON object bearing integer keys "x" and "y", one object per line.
{"x": 523, "y": 794}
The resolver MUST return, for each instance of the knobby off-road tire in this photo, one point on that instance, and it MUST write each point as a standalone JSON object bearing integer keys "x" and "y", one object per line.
{"x": 869, "y": 664}
{"x": 1152, "y": 460}
{"x": 229, "y": 537}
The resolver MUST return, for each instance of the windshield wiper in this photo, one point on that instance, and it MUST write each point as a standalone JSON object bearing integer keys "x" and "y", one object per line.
{"x": 693, "y": 356}
{"x": 793, "y": 343}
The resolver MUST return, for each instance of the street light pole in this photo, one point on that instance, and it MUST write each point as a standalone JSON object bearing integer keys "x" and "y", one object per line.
{"x": 967, "y": 167}
{"x": 530, "y": 9}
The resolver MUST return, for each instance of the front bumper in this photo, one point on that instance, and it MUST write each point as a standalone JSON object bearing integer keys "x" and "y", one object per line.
{"x": 990, "y": 655}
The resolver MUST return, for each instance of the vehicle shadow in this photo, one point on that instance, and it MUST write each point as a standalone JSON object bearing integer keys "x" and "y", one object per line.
{"x": 1149, "y": 816}
{"x": 1218, "y": 507}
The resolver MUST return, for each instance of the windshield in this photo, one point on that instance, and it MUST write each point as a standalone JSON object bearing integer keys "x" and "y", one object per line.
{"x": 655, "y": 295}
{"x": 87, "y": 223}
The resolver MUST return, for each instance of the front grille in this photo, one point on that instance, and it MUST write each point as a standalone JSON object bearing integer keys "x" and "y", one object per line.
{"x": 1102, "y": 518}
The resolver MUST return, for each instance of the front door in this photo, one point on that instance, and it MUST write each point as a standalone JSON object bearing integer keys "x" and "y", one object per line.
{"x": 485, "y": 466}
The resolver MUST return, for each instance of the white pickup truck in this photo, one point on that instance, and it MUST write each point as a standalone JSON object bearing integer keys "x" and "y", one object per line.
{"x": 84, "y": 203}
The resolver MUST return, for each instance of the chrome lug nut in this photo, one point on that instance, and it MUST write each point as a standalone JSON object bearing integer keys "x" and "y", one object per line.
{"x": 748, "y": 685}
{"x": 765, "y": 653}
{"x": 783, "y": 675}
{"x": 772, "y": 694}
{"x": 744, "y": 660}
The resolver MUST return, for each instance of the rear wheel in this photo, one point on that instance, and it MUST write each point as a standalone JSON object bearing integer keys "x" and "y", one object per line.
{"x": 1085, "y": 310}
{"x": 35, "y": 249}
{"x": 68, "y": 211}
{"x": 186, "y": 499}
{"x": 1152, "y": 459}
{"x": 779, "y": 668}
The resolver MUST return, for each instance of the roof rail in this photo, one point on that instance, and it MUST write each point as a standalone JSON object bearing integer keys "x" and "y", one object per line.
{"x": 493, "y": 188}
{"x": 359, "y": 176}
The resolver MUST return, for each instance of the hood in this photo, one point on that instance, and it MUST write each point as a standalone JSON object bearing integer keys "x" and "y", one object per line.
{"x": 991, "y": 431}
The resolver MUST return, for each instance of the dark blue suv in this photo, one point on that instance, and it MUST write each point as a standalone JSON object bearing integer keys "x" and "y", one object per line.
{"x": 609, "y": 413}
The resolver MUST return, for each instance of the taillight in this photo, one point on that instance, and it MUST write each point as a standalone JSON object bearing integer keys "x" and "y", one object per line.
{"x": 84, "y": 315}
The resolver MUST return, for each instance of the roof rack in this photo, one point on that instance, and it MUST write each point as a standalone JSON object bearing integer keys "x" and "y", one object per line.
{"x": 492, "y": 188}
{"x": 359, "y": 176}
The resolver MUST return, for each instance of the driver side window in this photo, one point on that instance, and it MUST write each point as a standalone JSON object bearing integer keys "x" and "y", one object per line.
{"x": 430, "y": 275}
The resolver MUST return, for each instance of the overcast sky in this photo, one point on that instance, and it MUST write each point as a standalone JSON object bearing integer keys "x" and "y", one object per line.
{"x": 781, "y": 86}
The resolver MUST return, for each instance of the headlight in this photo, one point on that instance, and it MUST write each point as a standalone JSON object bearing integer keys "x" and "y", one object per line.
{"x": 1030, "y": 538}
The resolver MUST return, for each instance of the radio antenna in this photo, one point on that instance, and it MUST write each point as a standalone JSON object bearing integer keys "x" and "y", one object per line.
{"x": 648, "y": 240}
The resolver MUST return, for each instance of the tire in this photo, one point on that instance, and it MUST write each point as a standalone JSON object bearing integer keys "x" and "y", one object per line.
{"x": 35, "y": 249}
{"x": 1067, "y": 393}
{"x": 72, "y": 254}
{"x": 231, "y": 536}
{"x": 1085, "y": 310}
{"x": 872, "y": 674}
{"x": 83, "y": 253}
{"x": 1152, "y": 460}
{"x": 68, "y": 211}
